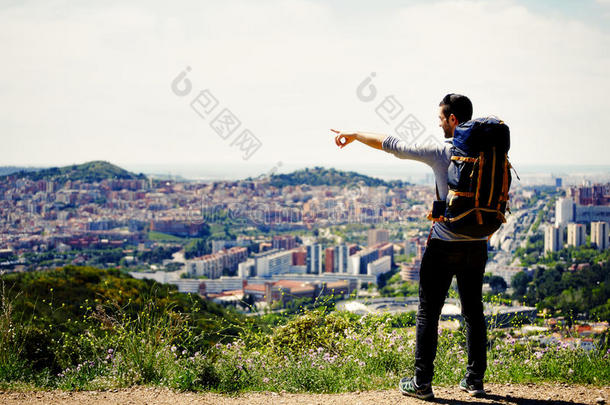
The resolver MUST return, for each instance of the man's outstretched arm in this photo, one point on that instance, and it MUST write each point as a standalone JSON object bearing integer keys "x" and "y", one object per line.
{"x": 431, "y": 154}
{"x": 368, "y": 138}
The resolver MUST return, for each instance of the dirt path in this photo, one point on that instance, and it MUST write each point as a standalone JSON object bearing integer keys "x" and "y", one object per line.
{"x": 538, "y": 394}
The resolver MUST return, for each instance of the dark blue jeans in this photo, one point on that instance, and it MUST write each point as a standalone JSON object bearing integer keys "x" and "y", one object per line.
{"x": 441, "y": 261}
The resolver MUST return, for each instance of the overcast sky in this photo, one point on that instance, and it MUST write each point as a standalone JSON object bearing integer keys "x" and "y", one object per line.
{"x": 84, "y": 81}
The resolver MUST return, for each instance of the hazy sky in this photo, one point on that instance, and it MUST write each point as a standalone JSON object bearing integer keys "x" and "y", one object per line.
{"x": 85, "y": 81}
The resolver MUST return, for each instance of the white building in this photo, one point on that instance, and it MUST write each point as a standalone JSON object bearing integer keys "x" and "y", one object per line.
{"x": 314, "y": 259}
{"x": 212, "y": 265}
{"x": 553, "y": 238}
{"x": 353, "y": 264}
{"x": 208, "y": 267}
{"x": 222, "y": 284}
{"x": 163, "y": 277}
{"x": 564, "y": 211}
{"x": 379, "y": 266}
{"x": 246, "y": 269}
{"x": 340, "y": 258}
{"x": 273, "y": 263}
{"x": 576, "y": 234}
{"x": 186, "y": 285}
{"x": 599, "y": 235}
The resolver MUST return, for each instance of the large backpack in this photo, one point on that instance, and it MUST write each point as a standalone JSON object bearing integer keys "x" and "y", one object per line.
{"x": 478, "y": 177}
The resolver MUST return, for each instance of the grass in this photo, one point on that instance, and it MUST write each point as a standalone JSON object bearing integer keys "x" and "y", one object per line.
{"x": 314, "y": 351}
{"x": 163, "y": 237}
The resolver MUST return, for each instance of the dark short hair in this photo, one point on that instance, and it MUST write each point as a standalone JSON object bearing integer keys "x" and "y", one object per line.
{"x": 458, "y": 105}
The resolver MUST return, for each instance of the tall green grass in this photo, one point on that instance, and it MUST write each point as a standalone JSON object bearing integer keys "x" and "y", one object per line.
{"x": 317, "y": 350}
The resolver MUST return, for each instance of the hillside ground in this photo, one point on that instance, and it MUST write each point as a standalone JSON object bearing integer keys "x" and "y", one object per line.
{"x": 536, "y": 394}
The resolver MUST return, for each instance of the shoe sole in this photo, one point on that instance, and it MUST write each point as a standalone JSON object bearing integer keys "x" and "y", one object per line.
{"x": 474, "y": 393}
{"x": 411, "y": 394}
{"x": 424, "y": 397}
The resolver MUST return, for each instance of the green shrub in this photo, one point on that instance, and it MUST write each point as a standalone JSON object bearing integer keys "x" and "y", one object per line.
{"x": 157, "y": 339}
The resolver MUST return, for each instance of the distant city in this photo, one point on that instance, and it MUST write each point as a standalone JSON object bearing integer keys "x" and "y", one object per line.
{"x": 274, "y": 239}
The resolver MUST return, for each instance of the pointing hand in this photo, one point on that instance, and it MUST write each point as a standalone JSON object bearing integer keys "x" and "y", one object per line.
{"x": 344, "y": 138}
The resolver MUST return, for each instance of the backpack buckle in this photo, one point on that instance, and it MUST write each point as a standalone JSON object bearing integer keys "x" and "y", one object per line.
{"x": 437, "y": 213}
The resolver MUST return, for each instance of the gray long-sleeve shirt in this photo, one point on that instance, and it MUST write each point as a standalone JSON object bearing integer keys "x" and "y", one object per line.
{"x": 438, "y": 157}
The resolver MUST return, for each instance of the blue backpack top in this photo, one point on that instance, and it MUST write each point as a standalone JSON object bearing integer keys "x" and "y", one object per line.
{"x": 478, "y": 178}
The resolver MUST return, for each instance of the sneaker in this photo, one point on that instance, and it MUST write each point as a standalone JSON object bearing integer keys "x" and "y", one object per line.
{"x": 474, "y": 388}
{"x": 407, "y": 387}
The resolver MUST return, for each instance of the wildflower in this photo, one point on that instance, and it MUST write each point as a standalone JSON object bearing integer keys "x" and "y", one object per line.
{"x": 265, "y": 380}
{"x": 538, "y": 355}
{"x": 173, "y": 349}
{"x": 110, "y": 351}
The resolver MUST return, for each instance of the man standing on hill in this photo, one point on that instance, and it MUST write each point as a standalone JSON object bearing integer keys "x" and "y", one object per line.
{"x": 447, "y": 254}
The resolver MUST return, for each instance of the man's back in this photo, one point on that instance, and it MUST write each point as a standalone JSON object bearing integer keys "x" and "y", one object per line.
{"x": 438, "y": 158}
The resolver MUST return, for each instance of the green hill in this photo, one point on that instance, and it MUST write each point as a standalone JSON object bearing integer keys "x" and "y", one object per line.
{"x": 55, "y": 307}
{"x": 321, "y": 176}
{"x": 90, "y": 172}
{"x": 6, "y": 170}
